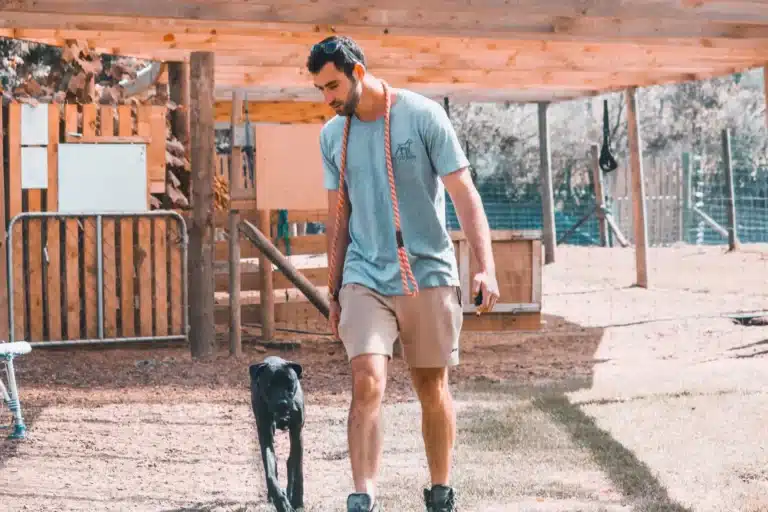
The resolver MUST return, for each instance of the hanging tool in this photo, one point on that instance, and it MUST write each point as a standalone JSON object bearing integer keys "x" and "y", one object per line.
{"x": 248, "y": 147}
{"x": 607, "y": 162}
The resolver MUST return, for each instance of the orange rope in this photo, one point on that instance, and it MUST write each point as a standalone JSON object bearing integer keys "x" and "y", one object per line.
{"x": 406, "y": 273}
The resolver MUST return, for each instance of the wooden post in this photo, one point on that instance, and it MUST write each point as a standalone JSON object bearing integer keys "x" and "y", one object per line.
{"x": 235, "y": 340}
{"x": 273, "y": 255}
{"x": 733, "y": 239}
{"x": 685, "y": 214}
{"x": 638, "y": 190}
{"x": 266, "y": 292}
{"x": 236, "y": 180}
{"x": 178, "y": 81}
{"x": 201, "y": 239}
{"x": 4, "y": 274}
{"x": 597, "y": 180}
{"x": 547, "y": 193}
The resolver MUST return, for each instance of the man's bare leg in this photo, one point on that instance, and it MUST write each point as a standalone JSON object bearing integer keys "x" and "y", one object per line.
{"x": 369, "y": 378}
{"x": 438, "y": 420}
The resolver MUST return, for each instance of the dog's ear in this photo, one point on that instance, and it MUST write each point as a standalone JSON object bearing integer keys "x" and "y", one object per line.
{"x": 255, "y": 370}
{"x": 296, "y": 367}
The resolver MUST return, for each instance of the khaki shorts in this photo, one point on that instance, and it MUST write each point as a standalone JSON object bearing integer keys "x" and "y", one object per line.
{"x": 428, "y": 324}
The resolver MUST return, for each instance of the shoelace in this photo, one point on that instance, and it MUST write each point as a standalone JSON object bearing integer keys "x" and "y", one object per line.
{"x": 406, "y": 273}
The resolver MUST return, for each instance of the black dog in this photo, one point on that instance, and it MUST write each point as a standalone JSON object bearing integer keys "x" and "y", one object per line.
{"x": 277, "y": 401}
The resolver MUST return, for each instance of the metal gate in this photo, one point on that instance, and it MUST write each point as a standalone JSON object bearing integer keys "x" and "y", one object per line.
{"x": 97, "y": 277}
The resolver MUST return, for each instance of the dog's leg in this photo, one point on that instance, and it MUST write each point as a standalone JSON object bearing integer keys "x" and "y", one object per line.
{"x": 295, "y": 468}
{"x": 275, "y": 495}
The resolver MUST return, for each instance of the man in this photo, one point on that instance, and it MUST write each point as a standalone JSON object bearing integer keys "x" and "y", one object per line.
{"x": 391, "y": 259}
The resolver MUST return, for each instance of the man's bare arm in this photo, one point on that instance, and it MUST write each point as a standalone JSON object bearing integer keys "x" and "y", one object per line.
{"x": 343, "y": 241}
{"x": 469, "y": 209}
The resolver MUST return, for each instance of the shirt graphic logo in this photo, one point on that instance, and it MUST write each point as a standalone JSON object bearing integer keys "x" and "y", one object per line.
{"x": 403, "y": 151}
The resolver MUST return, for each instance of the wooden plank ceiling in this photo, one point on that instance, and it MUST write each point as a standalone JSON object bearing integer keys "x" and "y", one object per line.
{"x": 497, "y": 50}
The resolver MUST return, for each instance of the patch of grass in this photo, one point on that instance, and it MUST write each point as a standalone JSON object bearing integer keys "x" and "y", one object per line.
{"x": 509, "y": 452}
{"x": 633, "y": 477}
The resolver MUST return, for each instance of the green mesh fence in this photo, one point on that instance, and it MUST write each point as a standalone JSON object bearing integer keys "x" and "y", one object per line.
{"x": 709, "y": 194}
{"x": 668, "y": 221}
{"x": 524, "y": 212}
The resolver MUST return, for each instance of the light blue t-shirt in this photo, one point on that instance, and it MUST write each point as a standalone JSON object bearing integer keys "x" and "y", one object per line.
{"x": 424, "y": 147}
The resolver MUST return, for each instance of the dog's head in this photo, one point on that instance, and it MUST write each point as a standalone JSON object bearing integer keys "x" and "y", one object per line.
{"x": 277, "y": 382}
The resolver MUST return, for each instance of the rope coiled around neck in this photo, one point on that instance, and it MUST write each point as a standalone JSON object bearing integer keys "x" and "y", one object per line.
{"x": 406, "y": 273}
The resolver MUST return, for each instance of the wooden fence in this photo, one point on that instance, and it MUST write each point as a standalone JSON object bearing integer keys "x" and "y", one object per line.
{"x": 663, "y": 195}
{"x": 56, "y": 260}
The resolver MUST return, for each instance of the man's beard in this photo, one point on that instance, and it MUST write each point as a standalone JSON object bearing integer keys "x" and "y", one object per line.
{"x": 349, "y": 106}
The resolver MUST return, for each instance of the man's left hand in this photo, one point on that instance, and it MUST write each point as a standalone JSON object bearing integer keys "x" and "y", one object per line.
{"x": 490, "y": 287}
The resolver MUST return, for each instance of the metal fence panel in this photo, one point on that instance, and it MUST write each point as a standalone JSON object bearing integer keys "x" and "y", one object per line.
{"x": 80, "y": 278}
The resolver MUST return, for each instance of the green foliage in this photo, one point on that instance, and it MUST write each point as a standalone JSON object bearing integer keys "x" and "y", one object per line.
{"x": 503, "y": 145}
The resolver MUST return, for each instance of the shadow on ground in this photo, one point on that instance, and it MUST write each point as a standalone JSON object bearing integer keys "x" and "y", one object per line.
{"x": 538, "y": 368}
{"x": 221, "y": 506}
{"x": 631, "y": 476}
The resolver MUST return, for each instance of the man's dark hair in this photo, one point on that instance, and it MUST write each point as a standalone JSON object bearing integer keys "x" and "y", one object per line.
{"x": 344, "y": 58}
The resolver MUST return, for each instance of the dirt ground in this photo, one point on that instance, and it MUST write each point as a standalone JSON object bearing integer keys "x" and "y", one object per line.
{"x": 623, "y": 400}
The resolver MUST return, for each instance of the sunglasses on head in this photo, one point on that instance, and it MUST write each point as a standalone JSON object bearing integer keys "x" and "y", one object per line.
{"x": 332, "y": 46}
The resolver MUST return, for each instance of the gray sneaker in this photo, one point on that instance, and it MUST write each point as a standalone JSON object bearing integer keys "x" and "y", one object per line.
{"x": 361, "y": 502}
{"x": 441, "y": 498}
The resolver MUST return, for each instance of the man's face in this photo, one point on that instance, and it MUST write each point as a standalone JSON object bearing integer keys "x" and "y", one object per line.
{"x": 341, "y": 93}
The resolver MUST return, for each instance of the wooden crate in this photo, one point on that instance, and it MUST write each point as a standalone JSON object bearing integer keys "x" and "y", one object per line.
{"x": 517, "y": 255}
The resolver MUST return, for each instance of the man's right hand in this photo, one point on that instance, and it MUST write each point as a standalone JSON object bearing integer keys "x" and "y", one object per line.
{"x": 334, "y": 315}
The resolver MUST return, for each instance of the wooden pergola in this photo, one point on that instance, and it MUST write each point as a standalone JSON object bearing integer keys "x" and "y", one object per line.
{"x": 539, "y": 51}
{"x": 523, "y": 50}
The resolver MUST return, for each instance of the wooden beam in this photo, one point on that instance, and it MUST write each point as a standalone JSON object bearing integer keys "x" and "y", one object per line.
{"x": 733, "y": 238}
{"x": 638, "y": 189}
{"x": 545, "y": 66}
{"x": 201, "y": 240}
{"x": 271, "y": 255}
{"x": 546, "y": 188}
{"x": 669, "y": 27}
{"x": 276, "y": 49}
{"x": 236, "y": 178}
{"x": 4, "y": 274}
{"x": 415, "y": 52}
{"x": 474, "y": 78}
{"x": 685, "y": 191}
{"x": 432, "y": 17}
{"x": 290, "y": 112}
{"x": 266, "y": 276}
{"x": 174, "y": 32}
{"x": 235, "y": 340}
{"x": 307, "y": 93}
{"x": 464, "y": 85}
